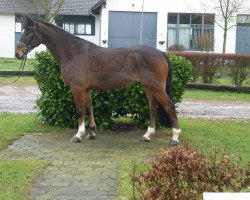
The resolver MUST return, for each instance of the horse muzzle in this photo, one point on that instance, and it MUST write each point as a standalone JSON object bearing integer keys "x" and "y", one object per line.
{"x": 20, "y": 53}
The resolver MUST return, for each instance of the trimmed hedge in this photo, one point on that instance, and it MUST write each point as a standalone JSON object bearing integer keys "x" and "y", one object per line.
{"x": 56, "y": 105}
{"x": 210, "y": 66}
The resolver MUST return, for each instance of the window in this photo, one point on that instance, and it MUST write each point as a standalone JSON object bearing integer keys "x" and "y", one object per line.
{"x": 243, "y": 20}
{"x": 78, "y": 25}
{"x": 18, "y": 24}
{"x": 185, "y": 29}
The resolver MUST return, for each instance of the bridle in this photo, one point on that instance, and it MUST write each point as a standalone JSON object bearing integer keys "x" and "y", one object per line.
{"x": 26, "y": 48}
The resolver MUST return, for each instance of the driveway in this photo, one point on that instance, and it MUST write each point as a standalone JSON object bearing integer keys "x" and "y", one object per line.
{"x": 22, "y": 100}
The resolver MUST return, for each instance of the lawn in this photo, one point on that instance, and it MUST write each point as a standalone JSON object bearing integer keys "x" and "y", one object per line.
{"x": 14, "y": 64}
{"x": 17, "y": 178}
{"x": 23, "y": 81}
{"x": 208, "y": 95}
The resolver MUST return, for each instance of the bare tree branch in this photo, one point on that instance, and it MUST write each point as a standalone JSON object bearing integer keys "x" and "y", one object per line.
{"x": 47, "y": 9}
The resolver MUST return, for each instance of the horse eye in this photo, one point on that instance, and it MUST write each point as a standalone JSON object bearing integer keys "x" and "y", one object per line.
{"x": 27, "y": 33}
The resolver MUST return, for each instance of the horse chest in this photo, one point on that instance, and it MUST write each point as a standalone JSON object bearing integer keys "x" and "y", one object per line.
{"x": 74, "y": 76}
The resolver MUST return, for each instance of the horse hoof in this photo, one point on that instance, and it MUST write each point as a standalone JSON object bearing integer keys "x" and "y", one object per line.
{"x": 145, "y": 140}
{"x": 90, "y": 137}
{"x": 75, "y": 139}
{"x": 174, "y": 143}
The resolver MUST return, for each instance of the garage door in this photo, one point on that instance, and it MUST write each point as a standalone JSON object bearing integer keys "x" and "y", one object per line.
{"x": 243, "y": 39}
{"x": 125, "y": 27}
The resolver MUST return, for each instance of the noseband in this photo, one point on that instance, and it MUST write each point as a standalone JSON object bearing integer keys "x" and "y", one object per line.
{"x": 28, "y": 47}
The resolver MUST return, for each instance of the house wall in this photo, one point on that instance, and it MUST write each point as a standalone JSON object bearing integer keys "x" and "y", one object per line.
{"x": 7, "y": 36}
{"x": 163, "y": 7}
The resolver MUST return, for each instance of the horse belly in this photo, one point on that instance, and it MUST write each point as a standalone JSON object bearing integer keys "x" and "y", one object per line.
{"x": 110, "y": 80}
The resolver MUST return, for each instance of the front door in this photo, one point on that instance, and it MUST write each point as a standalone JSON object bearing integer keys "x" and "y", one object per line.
{"x": 125, "y": 29}
{"x": 242, "y": 39}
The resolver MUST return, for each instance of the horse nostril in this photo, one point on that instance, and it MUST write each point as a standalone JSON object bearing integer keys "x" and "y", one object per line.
{"x": 17, "y": 55}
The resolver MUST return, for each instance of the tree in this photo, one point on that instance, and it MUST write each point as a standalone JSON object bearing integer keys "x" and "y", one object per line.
{"x": 47, "y": 9}
{"x": 226, "y": 15}
{"x": 228, "y": 10}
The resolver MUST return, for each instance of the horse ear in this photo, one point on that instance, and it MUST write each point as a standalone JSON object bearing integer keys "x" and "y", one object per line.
{"x": 26, "y": 21}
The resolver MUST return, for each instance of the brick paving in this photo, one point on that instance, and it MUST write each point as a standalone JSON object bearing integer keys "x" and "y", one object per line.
{"x": 84, "y": 171}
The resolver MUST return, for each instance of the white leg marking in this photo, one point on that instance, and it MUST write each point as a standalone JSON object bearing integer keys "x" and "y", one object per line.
{"x": 81, "y": 130}
{"x": 149, "y": 132}
{"x": 176, "y": 133}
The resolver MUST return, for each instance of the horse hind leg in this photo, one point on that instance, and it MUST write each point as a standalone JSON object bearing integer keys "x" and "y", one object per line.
{"x": 152, "y": 102}
{"x": 89, "y": 108}
{"x": 169, "y": 107}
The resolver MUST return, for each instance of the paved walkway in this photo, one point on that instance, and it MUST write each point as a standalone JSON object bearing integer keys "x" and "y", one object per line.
{"x": 83, "y": 171}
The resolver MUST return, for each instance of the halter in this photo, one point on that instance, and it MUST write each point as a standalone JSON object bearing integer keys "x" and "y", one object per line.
{"x": 28, "y": 47}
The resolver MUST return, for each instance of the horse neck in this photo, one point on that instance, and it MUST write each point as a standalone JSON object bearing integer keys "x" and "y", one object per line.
{"x": 60, "y": 44}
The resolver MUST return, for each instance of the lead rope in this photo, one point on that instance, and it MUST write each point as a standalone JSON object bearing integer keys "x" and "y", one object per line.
{"x": 20, "y": 69}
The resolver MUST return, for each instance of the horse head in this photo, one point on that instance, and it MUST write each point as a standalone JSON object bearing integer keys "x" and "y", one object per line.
{"x": 29, "y": 38}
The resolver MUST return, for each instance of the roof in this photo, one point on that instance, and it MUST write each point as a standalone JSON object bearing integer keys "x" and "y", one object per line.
{"x": 70, "y": 7}
{"x": 97, "y": 7}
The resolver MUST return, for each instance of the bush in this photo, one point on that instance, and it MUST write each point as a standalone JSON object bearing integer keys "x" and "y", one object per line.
{"x": 56, "y": 106}
{"x": 176, "y": 47}
{"x": 182, "y": 173}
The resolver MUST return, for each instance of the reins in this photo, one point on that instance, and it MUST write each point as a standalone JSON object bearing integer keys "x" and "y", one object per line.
{"x": 22, "y": 65}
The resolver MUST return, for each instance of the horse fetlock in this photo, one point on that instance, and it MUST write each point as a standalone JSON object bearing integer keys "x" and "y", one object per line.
{"x": 176, "y": 134}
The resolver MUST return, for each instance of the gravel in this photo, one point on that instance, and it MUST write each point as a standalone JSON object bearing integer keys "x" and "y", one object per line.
{"x": 22, "y": 100}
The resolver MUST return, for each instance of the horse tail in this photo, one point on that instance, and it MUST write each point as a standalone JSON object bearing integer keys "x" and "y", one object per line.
{"x": 163, "y": 115}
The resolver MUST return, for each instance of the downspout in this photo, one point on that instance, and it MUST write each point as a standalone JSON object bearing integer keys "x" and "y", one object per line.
{"x": 96, "y": 16}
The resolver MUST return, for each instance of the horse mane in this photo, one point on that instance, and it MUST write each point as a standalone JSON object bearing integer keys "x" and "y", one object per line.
{"x": 57, "y": 29}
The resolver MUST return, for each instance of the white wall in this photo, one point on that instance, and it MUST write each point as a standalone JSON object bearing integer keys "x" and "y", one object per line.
{"x": 162, "y": 7}
{"x": 7, "y": 36}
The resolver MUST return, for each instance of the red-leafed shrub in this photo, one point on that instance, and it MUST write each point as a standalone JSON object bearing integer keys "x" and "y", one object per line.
{"x": 182, "y": 173}
{"x": 209, "y": 66}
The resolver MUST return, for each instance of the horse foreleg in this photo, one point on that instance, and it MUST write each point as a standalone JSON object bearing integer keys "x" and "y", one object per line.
{"x": 89, "y": 108}
{"x": 152, "y": 102}
{"x": 79, "y": 98}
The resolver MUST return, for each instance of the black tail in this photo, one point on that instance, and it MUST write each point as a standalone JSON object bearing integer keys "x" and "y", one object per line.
{"x": 163, "y": 115}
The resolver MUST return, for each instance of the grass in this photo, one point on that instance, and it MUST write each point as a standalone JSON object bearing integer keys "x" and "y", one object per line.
{"x": 204, "y": 135}
{"x": 17, "y": 177}
{"x": 14, "y": 64}
{"x": 208, "y": 95}
{"x": 23, "y": 81}
{"x": 13, "y": 127}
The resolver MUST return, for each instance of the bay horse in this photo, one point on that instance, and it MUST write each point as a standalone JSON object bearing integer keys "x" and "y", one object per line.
{"x": 86, "y": 66}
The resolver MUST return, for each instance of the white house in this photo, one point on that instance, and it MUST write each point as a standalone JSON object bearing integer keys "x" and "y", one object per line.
{"x": 117, "y": 23}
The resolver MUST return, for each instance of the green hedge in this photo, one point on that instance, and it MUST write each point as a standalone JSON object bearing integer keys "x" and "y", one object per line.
{"x": 56, "y": 105}
{"x": 211, "y": 66}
